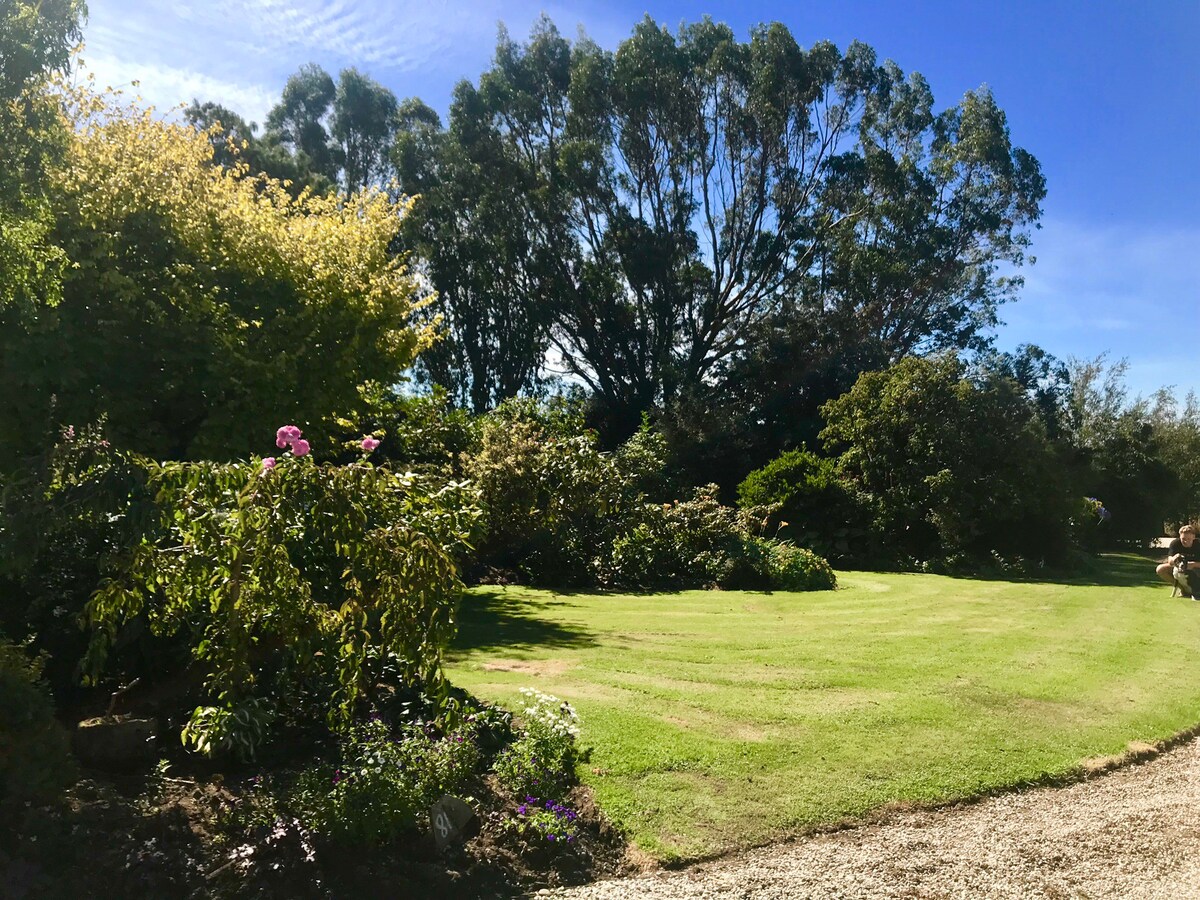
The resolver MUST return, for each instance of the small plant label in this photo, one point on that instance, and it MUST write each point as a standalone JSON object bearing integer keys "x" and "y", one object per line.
{"x": 449, "y": 818}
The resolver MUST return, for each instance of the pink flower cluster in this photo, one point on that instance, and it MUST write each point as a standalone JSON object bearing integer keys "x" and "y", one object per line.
{"x": 369, "y": 443}
{"x": 289, "y": 436}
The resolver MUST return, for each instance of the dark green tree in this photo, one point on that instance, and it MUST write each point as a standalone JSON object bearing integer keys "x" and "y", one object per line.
{"x": 363, "y": 124}
{"x": 690, "y": 192}
{"x": 35, "y": 40}
{"x": 484, "y": 201}
{"x": 957, "y": 469}
{"x": 236, "y": 140}
{"x": 300, "y": 120}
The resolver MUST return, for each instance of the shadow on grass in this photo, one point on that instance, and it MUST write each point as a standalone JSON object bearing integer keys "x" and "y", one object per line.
{"x": 495, "y": 619}
{"x": 1105, "y": 570}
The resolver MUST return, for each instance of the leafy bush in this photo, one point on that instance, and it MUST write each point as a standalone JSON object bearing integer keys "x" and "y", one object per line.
{"x": 199, "y": 300}
{"x": 541, "y": 761}
{"x": 422, "y": 433}
{"x": 815, "y": 508}
{"x": 957, "y": 471}
{"x": 690, "y": 543}
{"x": 797, "y": 569}
{"x": 74, "y": 512}
{"x": 554, "y": 502}
{"x": 290, "y": 584}
{"x": 35, "y": 762}
{"x": 384, "y": 783}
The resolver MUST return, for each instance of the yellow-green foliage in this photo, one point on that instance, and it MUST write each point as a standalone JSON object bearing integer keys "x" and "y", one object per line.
{"x": 213, "y": 299}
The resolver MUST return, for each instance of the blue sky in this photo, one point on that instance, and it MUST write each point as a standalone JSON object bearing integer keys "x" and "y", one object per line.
{"x": 1106, "y": 95}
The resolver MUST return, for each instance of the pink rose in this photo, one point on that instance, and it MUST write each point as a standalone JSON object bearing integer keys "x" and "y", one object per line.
{"x": 288, "y": 434}
{"x": 369, "y": 443}
{"x": 268, "y": 463}
{"x": 300, "y": 448}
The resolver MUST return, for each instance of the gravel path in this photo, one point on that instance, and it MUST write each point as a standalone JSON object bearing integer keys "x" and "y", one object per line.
{"x": 1134, "y": 833}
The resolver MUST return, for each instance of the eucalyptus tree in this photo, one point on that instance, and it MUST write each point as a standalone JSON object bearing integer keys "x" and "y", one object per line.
{"x": 687, "y": 192}
{"x": 483, "y": 220}
{"x": 363, "y": 124}
{"x": 300, "y": 119}
{"x": 262, "y": 154}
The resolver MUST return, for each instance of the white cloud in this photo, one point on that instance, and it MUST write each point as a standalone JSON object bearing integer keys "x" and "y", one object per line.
{"x": 240, "y": 52}
{"x": 1126, "y": 289}
{"x": 166, "y": 87}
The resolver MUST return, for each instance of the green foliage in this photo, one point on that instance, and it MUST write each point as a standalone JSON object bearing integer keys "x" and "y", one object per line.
{"x": 956, "y": 471}
{"x": 73, "y": 513}
{"x": 553, "y": 500}
{"x": 35, "y": 762}
{"x": 690, "y": 543}
{"x": 36, "y": 38}
{"x": 541, "y": 761}
{"x": 797, "y": 569}
{"x": 298, "y": 586}
{"x": 646, "y": 211}
{"x": 235, "y": 144}
{"x": 816, "y": 509}
{"x": 35, "y": 41}
{"x": 334, "y": 133}
{"x": 420, "y": 432}
{"x": 199, "y": 301}
{"x": 229, "y": 731}
{"x": 384, "y": 783}
{"x": 1134, "y": 458}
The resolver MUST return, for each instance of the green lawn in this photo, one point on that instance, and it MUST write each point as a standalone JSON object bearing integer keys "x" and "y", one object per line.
{"x": 727, "y": 719}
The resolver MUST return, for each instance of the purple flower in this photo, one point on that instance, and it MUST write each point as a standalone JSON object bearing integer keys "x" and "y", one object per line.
{"x": 521, "y": 809}
{"x": 550, "y": 836}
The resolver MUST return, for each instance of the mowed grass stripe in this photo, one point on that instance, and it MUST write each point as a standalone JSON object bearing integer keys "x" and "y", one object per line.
{"x": 721, "y": 720}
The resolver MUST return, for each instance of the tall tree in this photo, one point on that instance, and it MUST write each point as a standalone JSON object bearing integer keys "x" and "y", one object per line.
{"x": 693, "y": 188}
{"x": 364, "y": 126}
{"x": 236, "y": 141}
{"x": 299, "y": 120}
{"x": 480, "y": 221}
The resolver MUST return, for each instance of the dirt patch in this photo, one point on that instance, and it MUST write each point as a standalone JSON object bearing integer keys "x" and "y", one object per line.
{"x": 539, "y": 667}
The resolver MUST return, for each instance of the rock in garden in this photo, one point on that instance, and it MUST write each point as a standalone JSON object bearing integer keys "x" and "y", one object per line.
{"x": 116, "y": 742}
{"x": 450, "y": 818}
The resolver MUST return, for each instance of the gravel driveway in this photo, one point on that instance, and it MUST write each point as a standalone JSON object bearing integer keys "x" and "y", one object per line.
{"x": 1132, "y": 833}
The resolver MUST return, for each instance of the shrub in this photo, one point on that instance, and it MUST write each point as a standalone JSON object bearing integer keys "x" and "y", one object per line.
{"x": 541, "y": 761}
{"x": 797, "y": 569}
{"x": 35, "y": 762}
{"x": 198, "y": 300}
{"x": 75, "y": 511}
{"x": 956, "y": 470}
{"x": 385, "y": 782}
{"x": 690, "y": 543}
{"x": 553, "y": 500}
{"x": 293, "y": 586}
{"x": 815, "y": 508}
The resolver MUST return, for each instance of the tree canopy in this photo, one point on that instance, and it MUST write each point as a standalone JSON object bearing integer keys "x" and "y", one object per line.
{"x": 201, "y": 302}
{"x": 648, "y": 212}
